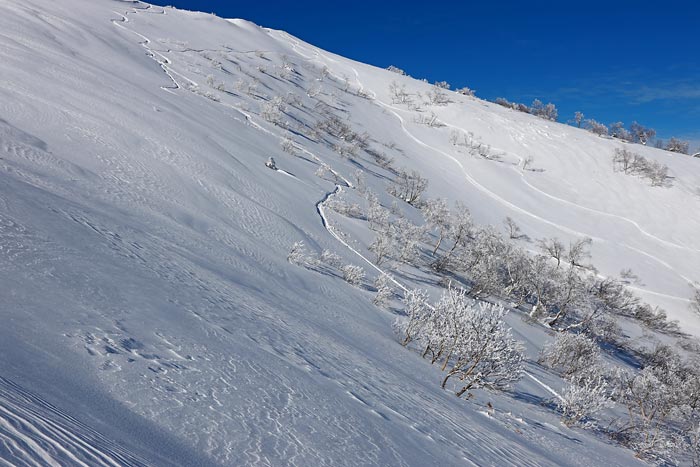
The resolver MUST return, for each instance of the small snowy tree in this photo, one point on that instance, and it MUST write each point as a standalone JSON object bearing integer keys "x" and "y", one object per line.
{"x": 406, "y": 237}
{"x": 397, "y": 70}
{"x": 398, "y": 93}
{"x": 570, "y": 354}
{"x": 353, "y": 275}
{"x": 650, "y": 401}
{"x": 382, "y": 247}
{"x": 417, "y": 310}
{"x": 408, "y": 186}
{"x": 514, "y": 231}
{"x": 437, "y": 216}
{"x": 552, "y": 247}
{"x": 477, "y": 347}
{"x": 641, "y": 134}
{"x": 578, "y": 118}
{"x": 384, "y": 290}
{"x": 579, "y": 250}
{"x": 584, "y": 397}
{"x": 596, "y": 127}
{"x": 548, "y": 111}
{"x": 623, "y": 159}
{"x": 466, "y": 91}
{"x": 300, "y": 256}
{"x": 695, "y": 300}
{"x": 297, "y": 253}
{"x": 438, "y": 96}
{"x": 377, "y": 215}
{"x": 678, "y": 145}
{"x": 287, "y": 146}
{"x": 460, "y": 233}
{"x": 273, "y": 110}
{"x": 331, "y": 259}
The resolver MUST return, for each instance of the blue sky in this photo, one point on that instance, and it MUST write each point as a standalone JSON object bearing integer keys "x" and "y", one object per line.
{"x": 614, "y": 61}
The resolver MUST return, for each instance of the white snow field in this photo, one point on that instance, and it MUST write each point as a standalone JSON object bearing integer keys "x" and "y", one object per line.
{"x": 149, "y": 315}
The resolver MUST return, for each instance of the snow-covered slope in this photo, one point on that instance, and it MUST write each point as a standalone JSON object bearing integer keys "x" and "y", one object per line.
{"x": 149, "y": 313}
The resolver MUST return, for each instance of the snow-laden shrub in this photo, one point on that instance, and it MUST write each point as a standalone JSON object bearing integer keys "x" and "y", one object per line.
{"x": 330, "y": 258}
{"x": 408, "y": 186}
{"x": 417, "y": 310}
{"x": 352, "y": 274}
{"x": 273, "y": 110}
{"x": 595, "y": 127}
{"x": 383, "y": 247}
{"x": 383, "y": 284}
{"x": 695, "y": 300}
{"x": 466, "y": 91}
{"x": 397, "y": 70}
{"x": 287, "y": 145}
{"x": 570, "y": 354}
{"x": 678, "y": 145}
{"x": 474, "y": 343}
{"x": 586, "y": 395}
{"x": 299, "y": 255}
{"x": 650, "y": 402}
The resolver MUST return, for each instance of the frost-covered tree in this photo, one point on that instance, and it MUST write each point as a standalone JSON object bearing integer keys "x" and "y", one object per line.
{"x": 641, "y": 134}
{"x": 568, "y": 295}
{"x": 678, "y": 145}
{"x": 437, "y": 216}
{"x": 300, "y": 256}
{"x": 418, "y": 314}
{"x": 578, "y": 118}
{"x": 618, "y": 130}
{"x": 460, "y": 233}
{"x": 482, "y": 261}
{"x": 502, "y": 101}
{"x": 596, "y": 127}
{"x": 552, "y": 247}
{"x": 513, "y": 229}
{"x": 579, "y": 250}
{"x": 353, "y": 275}
{"x": 377, "y": 215}
{"x": 287, "y": 145}
{"x": 398, "y": 93}
{"x": 546, "y": 111}
{"x": 650, "y": 402}
{"x": 397, "y": 70}
{"x": 466, "y": 91}
{"x": 632, "y": 163}
{"x": 437, "y": 95}
{"x": 273, "y": 110}
{"x": 382, "y": 246}
{"x": 330, "y": 258}
{"x": 406, "y": 237}
{"x": 570, "y": 354}
{"x": 586, "y": 395}
{"x": 695, "y": 300}
{"x": 476, "y": 345}
{"x": 408, "y": 186}
{"x": 298, "y": 253}
{"x": 383, "y": 284}
{"x": 623, "y": 160}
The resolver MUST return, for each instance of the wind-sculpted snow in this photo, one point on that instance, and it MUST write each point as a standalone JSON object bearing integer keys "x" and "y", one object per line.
{"x": 34, "y": 433}
{"x": 149, "y": 313}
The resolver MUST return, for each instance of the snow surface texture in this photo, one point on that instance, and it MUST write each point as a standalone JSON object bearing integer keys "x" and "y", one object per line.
{"x": 150, "y": 316}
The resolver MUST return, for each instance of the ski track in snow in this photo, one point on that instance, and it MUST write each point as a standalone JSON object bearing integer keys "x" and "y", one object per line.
{"x": 516, "y": 208}
{"x": 145, "y": 41}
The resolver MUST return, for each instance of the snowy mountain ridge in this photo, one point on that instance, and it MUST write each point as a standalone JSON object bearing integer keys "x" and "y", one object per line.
{"x": 151, "y": 314}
